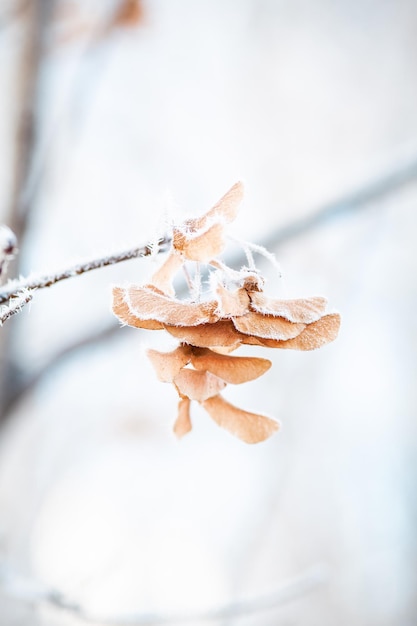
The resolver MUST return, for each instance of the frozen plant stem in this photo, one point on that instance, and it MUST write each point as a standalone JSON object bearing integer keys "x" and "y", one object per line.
{"x": 15, "y": 306}
{"x": 14, "y": 287}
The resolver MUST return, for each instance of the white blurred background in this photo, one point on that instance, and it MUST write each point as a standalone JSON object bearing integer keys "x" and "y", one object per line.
{"x": 117, "y": 117}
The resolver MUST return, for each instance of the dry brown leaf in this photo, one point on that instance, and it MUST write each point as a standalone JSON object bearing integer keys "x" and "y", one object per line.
{"x": 148, "y": 304}
{"x": 163, "y": 277}
{"x": 315, "y": 335}
{"x": 223, "y": 212}
{"x": 267, "y": 326}
{"x": 304, "y": 310}
{"x": 200, "y": 246}
{"x": 182, "y": 424}
{"x": 122, "y": 311}
{"x": 250, "y": 427}
{"x": 168, "y": 364}
{"x": 254, "y": 341}
{"x": 201, "y": 238}
{"x": 198, "y": 385}
{"x": 222, "y": 333}
{"x": 226, "y": 209}
{"x": 232, "y": 303}
{"x": 232, "y": 369}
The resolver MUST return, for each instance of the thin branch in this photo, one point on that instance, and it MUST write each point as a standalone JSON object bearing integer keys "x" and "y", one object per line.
{"x": 20, "y": 388}
{"x": 15, "y": 306}
{"x": 41, "y": 282}
{"x": 385, "y": 184}
{"x": 23, "y": 200}
{"x": 34, "y": 593}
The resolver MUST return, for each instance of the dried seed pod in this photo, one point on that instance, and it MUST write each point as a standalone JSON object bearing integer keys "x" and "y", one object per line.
{"x": 267, "y": 326}
{"x": 182, "y": 424}
{"x": 168, "y": 364}
{"x": 303, "y": 310}
{"x": 122, "y": 311}
{"x": 163, "y": 277}
{"x": 232, "y": 369}
{"x": 220, "y": 334}
{"x": 202, "y": 238}
{"x": 198, "y": 385}
{"x": 138, "y": 306}
{"x": 315, "y": 335}
{"x": 210, "y": 329}
{"x": 232, "y": 303}
{"x": 250, "y": 427}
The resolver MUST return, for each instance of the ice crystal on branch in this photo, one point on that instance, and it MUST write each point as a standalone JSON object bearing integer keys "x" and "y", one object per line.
{"x": 16, "y": 303}
{"x": 211, "y": 326}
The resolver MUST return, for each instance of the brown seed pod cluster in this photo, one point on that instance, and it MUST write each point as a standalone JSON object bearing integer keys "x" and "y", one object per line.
{"x": 210, "y": 327}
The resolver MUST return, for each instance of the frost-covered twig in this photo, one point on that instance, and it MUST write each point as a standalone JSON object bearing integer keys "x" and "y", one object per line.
{"x": 13, "y": 287}
{"x": 31, "y": 592}
{"x": 16, "y": 303}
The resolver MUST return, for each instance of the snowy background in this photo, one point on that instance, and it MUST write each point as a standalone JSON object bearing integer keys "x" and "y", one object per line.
{"x": 116, "y": 118}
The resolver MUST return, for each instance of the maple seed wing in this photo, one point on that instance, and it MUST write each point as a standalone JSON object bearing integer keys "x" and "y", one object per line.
{"x": 201, "y": 238}
{"x": 232, "y": 303}
{"x": 199, "y": 247}
{"x": 267, "y": 326}
{"x": 168, "y": 364}
{"x": 232, "y": 369}
{"x": 125, "y": 315}
{"x": 182, "y": 424}
{"x": 249, "y": 427}
{"x": 221, "y": 333}
{"x": 304, "y": 310}
{"x": 163, "y": 277}
{"x": 317, "y": 334}
{"x": 227, "y": 207}
{"x": 198, "y": 385}
{"x": 314, "y": 336}
{"x": 148, "y": 304}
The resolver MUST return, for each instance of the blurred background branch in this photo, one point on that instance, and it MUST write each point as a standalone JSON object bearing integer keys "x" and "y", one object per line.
{"x": 8, "y": 16}
{"x": 30, "y": 591}
{"x": 22, "y": 203}
{"x": 390, "y": 181}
